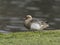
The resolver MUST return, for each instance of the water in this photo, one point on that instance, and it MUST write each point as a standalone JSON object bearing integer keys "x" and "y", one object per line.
{"x": 12, "y": 24}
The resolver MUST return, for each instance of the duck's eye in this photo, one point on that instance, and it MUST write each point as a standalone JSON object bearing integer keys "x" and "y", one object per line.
{"x": 26, "y": 17}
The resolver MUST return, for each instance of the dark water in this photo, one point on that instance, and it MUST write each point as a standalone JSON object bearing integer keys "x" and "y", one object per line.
{"x": 12, "y": 24}
{"x": 13, "y": 11}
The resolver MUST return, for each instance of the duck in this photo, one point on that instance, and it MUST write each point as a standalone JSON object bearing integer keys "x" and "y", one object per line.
{"x": 34, "y": 24}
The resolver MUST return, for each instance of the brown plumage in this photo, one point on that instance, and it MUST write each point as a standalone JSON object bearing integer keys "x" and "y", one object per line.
{"x": 31, "y": 23}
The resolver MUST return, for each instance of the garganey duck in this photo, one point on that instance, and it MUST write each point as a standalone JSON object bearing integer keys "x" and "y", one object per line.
{"x": 34, "y": 24}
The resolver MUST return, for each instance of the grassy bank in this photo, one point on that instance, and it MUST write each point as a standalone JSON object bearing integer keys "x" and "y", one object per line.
{"x": 51, "y": 37}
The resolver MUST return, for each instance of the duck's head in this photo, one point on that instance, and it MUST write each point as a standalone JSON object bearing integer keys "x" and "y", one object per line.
{"x": 27, "y": 21}
{"x": 28, "y": 17}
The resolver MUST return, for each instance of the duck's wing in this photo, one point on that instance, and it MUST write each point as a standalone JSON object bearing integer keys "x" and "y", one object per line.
{"x": 41, "y": 22}
{"x": 35, "y": 20}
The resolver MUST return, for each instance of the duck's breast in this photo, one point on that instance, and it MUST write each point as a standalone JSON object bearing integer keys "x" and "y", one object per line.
{"x": 35, "y": 26}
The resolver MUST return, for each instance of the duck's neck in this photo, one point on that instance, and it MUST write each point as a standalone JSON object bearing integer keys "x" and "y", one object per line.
{"x": 27, "y": 21}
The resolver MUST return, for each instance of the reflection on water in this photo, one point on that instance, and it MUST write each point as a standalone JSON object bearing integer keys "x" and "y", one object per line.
{"x": 4, "y": 31}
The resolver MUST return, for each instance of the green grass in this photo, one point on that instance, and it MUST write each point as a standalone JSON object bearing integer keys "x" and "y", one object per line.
{"x": 45, "y": 37}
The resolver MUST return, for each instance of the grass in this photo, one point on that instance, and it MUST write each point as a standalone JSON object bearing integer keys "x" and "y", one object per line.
{"x": 51, "y": 37}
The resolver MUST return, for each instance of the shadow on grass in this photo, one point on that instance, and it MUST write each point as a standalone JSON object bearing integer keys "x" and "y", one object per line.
{"x": 18, "y": 30}
{"x": 23, "y": 30}
{"x": 30, "y": 30}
